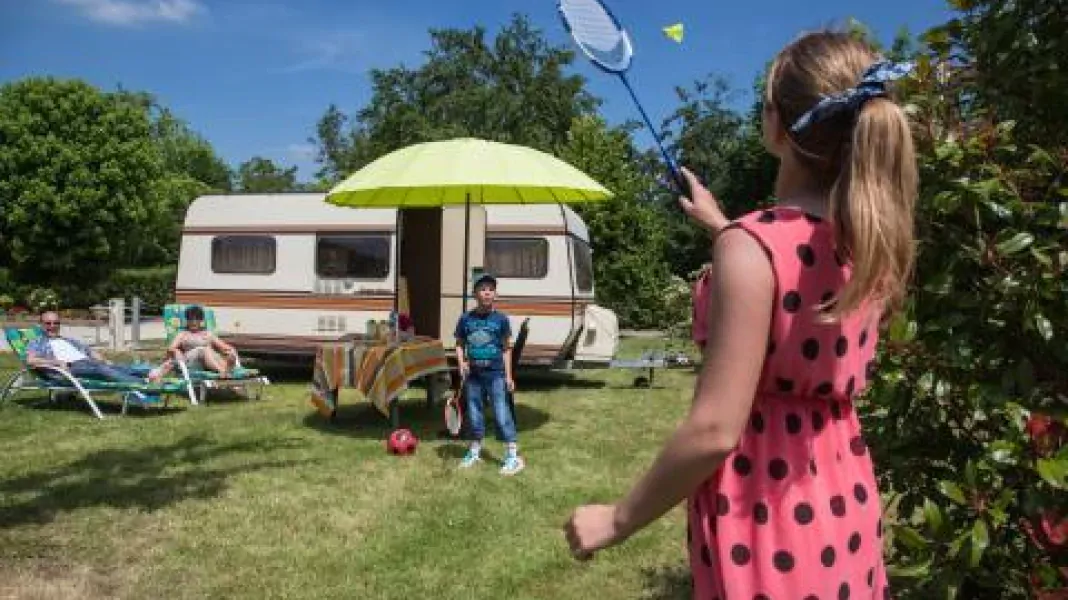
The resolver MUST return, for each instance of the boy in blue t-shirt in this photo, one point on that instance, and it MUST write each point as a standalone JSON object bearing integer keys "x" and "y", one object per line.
{"x": 484, "y": 354}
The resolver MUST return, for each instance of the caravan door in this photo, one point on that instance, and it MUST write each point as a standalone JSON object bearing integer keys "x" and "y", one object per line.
{"x": 454, "y": 282}
{"x": 421, "y": 238}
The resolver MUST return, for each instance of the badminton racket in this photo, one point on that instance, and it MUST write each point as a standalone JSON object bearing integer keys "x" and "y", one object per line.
{"x": 605, "y": 42}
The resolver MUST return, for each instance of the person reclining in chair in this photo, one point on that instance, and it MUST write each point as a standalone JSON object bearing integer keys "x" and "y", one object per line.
{"x": 81, "y": 361}
{"x": 200, "y": 349}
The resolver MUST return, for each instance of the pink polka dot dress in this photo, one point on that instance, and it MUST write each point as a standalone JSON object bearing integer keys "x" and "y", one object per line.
{"x": 794, "y": 512}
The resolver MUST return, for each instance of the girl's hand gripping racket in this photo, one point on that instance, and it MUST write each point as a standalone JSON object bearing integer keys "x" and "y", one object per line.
{"x": 603, "y": 40}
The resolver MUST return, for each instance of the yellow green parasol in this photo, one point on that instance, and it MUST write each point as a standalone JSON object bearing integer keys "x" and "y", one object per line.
{"x": 465, "y": 171}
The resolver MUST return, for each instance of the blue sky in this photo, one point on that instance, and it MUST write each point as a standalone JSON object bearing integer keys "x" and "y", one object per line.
{"x": 253, "y": 77}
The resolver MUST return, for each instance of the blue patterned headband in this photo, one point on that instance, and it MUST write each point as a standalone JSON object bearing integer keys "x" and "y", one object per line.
{"x": 872, "y": 85}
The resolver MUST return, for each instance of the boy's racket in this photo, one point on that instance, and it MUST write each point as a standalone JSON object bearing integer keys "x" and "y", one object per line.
{"x": 603, "y": 40}
{"x": 454, "y": 415}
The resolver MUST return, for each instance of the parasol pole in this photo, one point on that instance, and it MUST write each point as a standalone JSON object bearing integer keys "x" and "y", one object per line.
{"x": 399, "y": 229}
{"x": 467, "y": 247}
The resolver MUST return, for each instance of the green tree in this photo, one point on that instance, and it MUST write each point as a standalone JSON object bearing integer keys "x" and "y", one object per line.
{"x": 511, "y": 89}
{"x": 261, "y": 175}
{"x": 752, "y": 167}
{"x": 629, "y": 233}
{"x": 158, "y": 242}
{"x": 191, "y": 168}
{"x": 335, "y": 143}
{"x": 1016, "y": 51}
{"x": 724, "y": 149}
{"x": 78, "y": 174}
{"x": 904, "y": 46}
{"x": 184, "y": 152}
{"x": 187, "y": 153}
{"x": 967, "y": 419}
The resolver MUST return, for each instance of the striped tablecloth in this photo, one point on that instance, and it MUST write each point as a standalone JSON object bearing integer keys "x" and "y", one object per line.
{"x": 378, "y": 373}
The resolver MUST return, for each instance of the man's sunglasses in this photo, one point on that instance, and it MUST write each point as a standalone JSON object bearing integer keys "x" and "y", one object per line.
{"x": 49, "y": 323}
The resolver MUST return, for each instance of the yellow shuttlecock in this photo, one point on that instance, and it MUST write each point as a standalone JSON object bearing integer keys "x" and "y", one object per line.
{"x": 674, "y": 32}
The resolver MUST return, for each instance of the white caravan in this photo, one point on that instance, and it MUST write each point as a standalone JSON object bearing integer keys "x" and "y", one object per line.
{"x": 285, "y": 272}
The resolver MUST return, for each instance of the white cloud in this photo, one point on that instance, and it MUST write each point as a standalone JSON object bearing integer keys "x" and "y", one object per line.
{"x": 135, "y": 12}
{"x": 337, "y": 51}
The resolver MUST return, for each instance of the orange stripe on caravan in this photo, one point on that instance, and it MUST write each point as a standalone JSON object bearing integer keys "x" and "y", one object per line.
{"x": 538, "y": 306}
{"x": 524, "y": 230}
{"x": 276, "y": 300}
{"x": 383, "y": 228}
{"x": 290, "y": 229}
{"x": 541, "y": 309}
{"x": 284, "y": 301}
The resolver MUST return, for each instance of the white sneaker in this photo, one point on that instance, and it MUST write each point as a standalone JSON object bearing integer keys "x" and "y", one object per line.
{"x": 470, "y": 459}
{"x": 512, "y": 465}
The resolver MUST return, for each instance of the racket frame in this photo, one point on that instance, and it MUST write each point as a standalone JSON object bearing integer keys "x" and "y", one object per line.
{"x": 676, "y": 174}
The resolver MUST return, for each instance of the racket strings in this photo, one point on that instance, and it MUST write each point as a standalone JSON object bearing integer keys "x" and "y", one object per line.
{"x": 591, "y": 25}
{"x": 597, "y": 33}
{"x": 604, "y": 41}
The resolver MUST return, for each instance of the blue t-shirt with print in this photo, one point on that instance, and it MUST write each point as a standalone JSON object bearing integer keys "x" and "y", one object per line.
{"x": 483, "y": 336}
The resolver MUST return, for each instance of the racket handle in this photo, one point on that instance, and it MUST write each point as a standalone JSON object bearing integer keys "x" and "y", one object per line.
{"x": 682, "y": 185}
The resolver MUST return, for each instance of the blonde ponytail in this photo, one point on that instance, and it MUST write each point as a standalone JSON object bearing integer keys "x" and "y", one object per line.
{"x": 855, "y": 142}
{"x": 872, "y": 206}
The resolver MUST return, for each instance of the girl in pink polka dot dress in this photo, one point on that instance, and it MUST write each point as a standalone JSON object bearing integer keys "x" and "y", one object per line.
{"x": 782, "y": 497}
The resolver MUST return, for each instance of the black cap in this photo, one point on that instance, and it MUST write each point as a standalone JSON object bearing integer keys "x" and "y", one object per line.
{"x": 485, "y": 278}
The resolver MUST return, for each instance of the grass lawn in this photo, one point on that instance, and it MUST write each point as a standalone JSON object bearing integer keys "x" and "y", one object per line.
{"x": 266, "y": 500}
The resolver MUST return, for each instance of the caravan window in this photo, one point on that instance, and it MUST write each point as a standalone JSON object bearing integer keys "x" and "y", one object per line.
{"x": 353, "y": 256}
{"x": 521, "y": 258}
{"x": 243, "y": 254}
{"x": 583, "y": 264}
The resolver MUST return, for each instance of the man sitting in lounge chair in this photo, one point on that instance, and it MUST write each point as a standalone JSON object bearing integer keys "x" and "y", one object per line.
{"x": 81, "y": 361}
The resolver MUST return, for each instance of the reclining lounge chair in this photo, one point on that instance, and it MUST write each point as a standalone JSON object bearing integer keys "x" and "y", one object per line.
{"x": 55, "y": 379}
{"x": 202, "y": 380}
